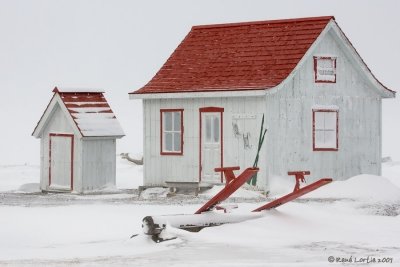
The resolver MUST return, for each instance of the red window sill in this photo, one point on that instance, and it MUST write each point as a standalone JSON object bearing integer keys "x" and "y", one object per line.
{"x": 171, "y": 153}
{"x": 325, "y": 149}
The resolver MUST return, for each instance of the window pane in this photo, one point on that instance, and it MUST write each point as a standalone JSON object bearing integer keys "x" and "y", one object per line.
{"x": 319, "y": 139}
{"x": 208, "y": 129}
{"x": 325, "y": 129}
{"x": 177, "y": 121}
{"x": 326, "y": 69}
{"x": 177, "y": 142}
{"x": 330, "y": 120}
{"x": 319, "y": 120}
{"x": 167, "y": 121}
{"x": 168, "y": 141}
{"x": 325, "y": 63}
{"x": 216, "y": 129}
{"x": 330, "y": 139}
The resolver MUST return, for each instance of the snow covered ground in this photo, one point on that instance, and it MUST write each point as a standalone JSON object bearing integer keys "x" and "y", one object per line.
{"x": 354, "y": 219}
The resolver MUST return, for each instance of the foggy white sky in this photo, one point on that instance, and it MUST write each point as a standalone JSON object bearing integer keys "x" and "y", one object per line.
{"x": 119, "y": 45}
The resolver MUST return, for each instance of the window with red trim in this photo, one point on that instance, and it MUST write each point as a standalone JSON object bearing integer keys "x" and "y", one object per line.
{"x": 171, "y": 131}
{"x": 325, "y": 69}
{"x": 325, "y": 130}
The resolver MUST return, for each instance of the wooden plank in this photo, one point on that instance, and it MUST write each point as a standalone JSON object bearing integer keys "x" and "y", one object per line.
{"x": 229, "y": 189}
{"x": 296, "y": 194}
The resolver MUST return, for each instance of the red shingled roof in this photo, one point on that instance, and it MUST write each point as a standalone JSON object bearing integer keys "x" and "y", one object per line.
{"x": 89, "y": 110}
{"x": 239, "y": 56}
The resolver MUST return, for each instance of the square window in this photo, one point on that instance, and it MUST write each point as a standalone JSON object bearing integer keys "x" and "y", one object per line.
{"x": 325, "y": 130}
{"x": 171, "y": 131}
{"x": 325, "y": 69}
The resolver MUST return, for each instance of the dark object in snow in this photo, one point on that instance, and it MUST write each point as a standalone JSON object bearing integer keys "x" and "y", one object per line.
{"x": 204, "y": 217}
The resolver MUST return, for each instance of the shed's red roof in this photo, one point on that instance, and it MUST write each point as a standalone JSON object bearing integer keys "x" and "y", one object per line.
{"x": 238, "y": 56}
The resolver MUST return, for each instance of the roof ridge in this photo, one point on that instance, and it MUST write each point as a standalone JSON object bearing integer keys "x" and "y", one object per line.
{"x": 66, "y": 90}
{"x": 237, "y": 24}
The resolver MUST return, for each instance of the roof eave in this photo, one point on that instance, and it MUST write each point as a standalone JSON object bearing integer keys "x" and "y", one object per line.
{"x": 202, "y": 93}
{"x": 383, "y": 90}
{"x": 90, "y": 137}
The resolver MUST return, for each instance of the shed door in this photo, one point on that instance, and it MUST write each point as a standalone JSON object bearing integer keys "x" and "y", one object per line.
{"x": 60, "y": 160}
{"x": 211, "y": 140}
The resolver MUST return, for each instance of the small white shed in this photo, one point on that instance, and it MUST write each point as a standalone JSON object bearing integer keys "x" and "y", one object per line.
{"x": 78, "y": 133}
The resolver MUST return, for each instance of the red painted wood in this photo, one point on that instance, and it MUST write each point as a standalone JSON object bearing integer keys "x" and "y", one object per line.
{"x": 86, "y": 101}
{"x": 222, "y": 143}
{"x": 229, "y": 189}
{"x": 239, "y": 56}
{"x": 222, "y": 169}
{"x": 296, "y": 194}
{"x": 211, "y": 109}
{"x": 180, "y": 153}
{"x": 72, "y": 156}
{"x": 299, "y": 176}
{"x": 71, "y": 98}
{"x": 315, "y": 69}
{"x": 228, "y": 171}
{"x": 299, "y": 173}
{"x": 96, "y": 105}
{"x": 337, "y": 130}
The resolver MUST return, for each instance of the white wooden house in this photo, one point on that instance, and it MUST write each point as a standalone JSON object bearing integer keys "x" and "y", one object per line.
{"x": 322, "y": 104}
{"x": 78, "y": 133}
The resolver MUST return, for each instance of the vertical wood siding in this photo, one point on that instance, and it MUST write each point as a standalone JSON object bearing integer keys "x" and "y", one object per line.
{"x": 288, "y": 118}
{"x": 58, "y": 124}
{"x": 98, "y": 164}
{"x": 94, "y": 159}
{"x": 161, "y": 168}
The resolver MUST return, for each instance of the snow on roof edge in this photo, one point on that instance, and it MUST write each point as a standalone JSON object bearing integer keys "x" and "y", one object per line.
{"x": 77, "y": 90}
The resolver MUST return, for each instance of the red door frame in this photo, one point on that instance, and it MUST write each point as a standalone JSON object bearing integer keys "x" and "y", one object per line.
{"x": 72, "y": 156}
{"x": 215, "y": 110}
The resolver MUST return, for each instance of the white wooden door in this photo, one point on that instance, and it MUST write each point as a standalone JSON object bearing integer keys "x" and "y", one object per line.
{"x": 61, "y": 161}
{"x": 210, "y": 146}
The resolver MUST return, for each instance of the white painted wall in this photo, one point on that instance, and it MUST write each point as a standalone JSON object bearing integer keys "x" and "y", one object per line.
{"x": 160, "y": 168}
{"x": 289, "y": 114}
{"x": 94, "y": 158}
{"x": 98, "y": 163}
{"x": 57, "y": 123}
{"x": 288, "y": 144}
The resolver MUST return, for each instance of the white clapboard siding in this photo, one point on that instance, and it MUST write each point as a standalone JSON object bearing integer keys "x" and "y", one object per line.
{"x": 161, "y": 168}
{"x": 99, "y": 158}
{"x": 57, "y": 124}
{"x": 288, "y": 118}
{"x": 94, "y": 155}
{"x": 290, "y": 112}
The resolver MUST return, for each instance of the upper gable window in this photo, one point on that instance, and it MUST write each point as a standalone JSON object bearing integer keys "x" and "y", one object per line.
{"x": 325, "y": 69}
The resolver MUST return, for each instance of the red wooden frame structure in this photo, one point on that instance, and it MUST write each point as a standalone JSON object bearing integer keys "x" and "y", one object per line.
{"x": 154, "y": 225}
{"x": 232, "y": 184}
{"x": 316, "y": 58}
{"x": 297, "y": 192}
